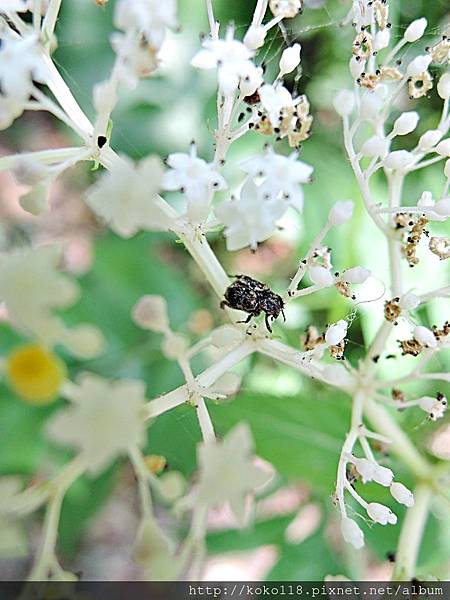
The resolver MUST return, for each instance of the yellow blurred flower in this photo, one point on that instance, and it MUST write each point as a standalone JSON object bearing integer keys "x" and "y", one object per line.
{"x": 35, "y": 373}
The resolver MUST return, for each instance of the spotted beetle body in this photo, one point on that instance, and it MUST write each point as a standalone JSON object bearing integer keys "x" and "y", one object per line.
{"x": 253, "y": 297}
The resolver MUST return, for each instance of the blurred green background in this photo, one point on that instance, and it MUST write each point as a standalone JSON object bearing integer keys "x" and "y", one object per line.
{"x": 298, "y": 425}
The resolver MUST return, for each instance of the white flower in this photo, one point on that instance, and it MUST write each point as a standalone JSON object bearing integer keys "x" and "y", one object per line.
{"x": 341, "y": 212}
{"x": 14, "y": 5}
{"x": 290, "y": 59}
{"x": 196, "y": 178}
{"x": 375, "y": 146}
{"x": 151, "y": 313}
{"x": 406, "y": 123}
{"x": 398, "y": 160}
{"x": 274, "y": 99}
{"x": 352, "y": 533}
{"x": 250, "y": 219}
{"x": 153, "y": 551}
{"x": 356, "y": 275}
{"x": 287, "y": 9}
{"x": 84, "y": 341}
{"x": 442, "y": 207}
{"x": 447, "y": 169}
{"x": 415, "y": 30}
{"x": 443, "y": 86}
{"x": 344, "y": 103}
{"x": 282, "y": 175}
{"x": 402, "y": 494}
{"x": 427, "y": 403}
{"x": 356, "y": 67}
{"x": 419, "y": 65}
{"x": 443, "y": 148}
{"x": 425, "y": 336}
{"x": 20, "y": 64}
{"x": 255, "y": 37}
{"x": 227, "y": 472}
{"x": 372, "y": 102}
{"x": 320, "y": 276}
{"x": 233, "y": 61}
{"x": 429, "y": 139}
{"x": 362, "y": 13}
{"x": 38, "y": 178}
{"x": 32, "y": 288}
{"x": 336, "y": 333}
{"x": 381, "y": 514}
{"x": 149, "y": 17}
{"x": 103, "y": 421}
{"x": 435, "y": 211}
{"x": 137, "y": 60}
{"x": 126, "y": 197}
{"x": 371, "y": 471}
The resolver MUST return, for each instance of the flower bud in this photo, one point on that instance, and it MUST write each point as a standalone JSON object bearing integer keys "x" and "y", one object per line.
{"x": 151, "y": 313}
{"x": 171, "y": 485}
{"x": 381, "y": 514}
{"x": 406, "y": 123}
{"x": 429, "y": 139}
{"x": 382, "y": 39}
{"x": 402, "y": 494}
{"x": 255, "y": 37}
{"x": 352, "y": 533}
{"x": 375, "y": 146}
{"x": 409, "y": 301}
{"x": 372, "y": 103}
{"x": 356, "y": 275}
{"x": 443, "y": 86}
{"x": 415, "y": 30}
{"x": 224, "y": 336}
{"x": 419, "y": 65}
{"x": 85, "y": 341}
{"x": 341, "y": 212}
{"x": 320, "y": 276}
{"x": 426, "y": 403}
{"x": 344, "y": 103}
{"x": 227, "y": 385}
{"x": 442, "y": 207}
{"x": 443, "y": 148}
{"x": 288, "y": 9}
{"x": 290, "y": 59}
{"x": 447, "y": 169}
{"x": 336, "y": 333}
{"x": 356, "y": 67}
{"x": 399, "y": 159}
{"x": 425, "y": 336}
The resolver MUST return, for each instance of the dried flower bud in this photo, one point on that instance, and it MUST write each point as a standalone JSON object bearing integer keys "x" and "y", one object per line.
{"x": 320, "y": 276}
{"x": 425, "y": 336}
{"x": 402, "y": 494}
{"x": 352, "y": 533}
{"x": 415, "y": 30}
{"x": 341, "y": 212}
{"x": 290, "y": 59}
{"x": 255, "y": 37}
{"x": 151, "y": 313}
{"x": 356, "y": 275}
{"x": 381, "y": 514}
{"x": 344, "y": 103}
{"x": 443, "y": 86}
{"x": 336, "y": 333}
{"x": 406, "y": 123}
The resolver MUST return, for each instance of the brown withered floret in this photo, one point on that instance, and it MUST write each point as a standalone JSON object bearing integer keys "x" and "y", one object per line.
{"x": 381, "y": 10}
{"x": 440, "y": 52}
{"x": 418, "y": 226}
{"x": 362, "y": 45}
{"x": 441, "y": 333}
{"x": 411, "y": 347}
{"x": 337, "y": 351}
{"x": 392, "y": 310}
{"x": 401, "y": 220}
{"x": 312, "y": 338}
{"x": 440, "y": 246}
{"x": 390, "y": 74}
{"x": 369, "y": 80}
{"x": 397, "y": 395}
{"x": 343, "y": 288}
{"x": 296, "y": 122}
{"x": 420, "y": 85}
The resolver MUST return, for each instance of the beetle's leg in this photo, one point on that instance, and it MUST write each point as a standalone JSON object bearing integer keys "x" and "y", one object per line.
{"x": 223, "y": 304}
{"x": 284, "y": 316}
{"x": 267, "y": 323}
{"x": 247, "y": 320}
